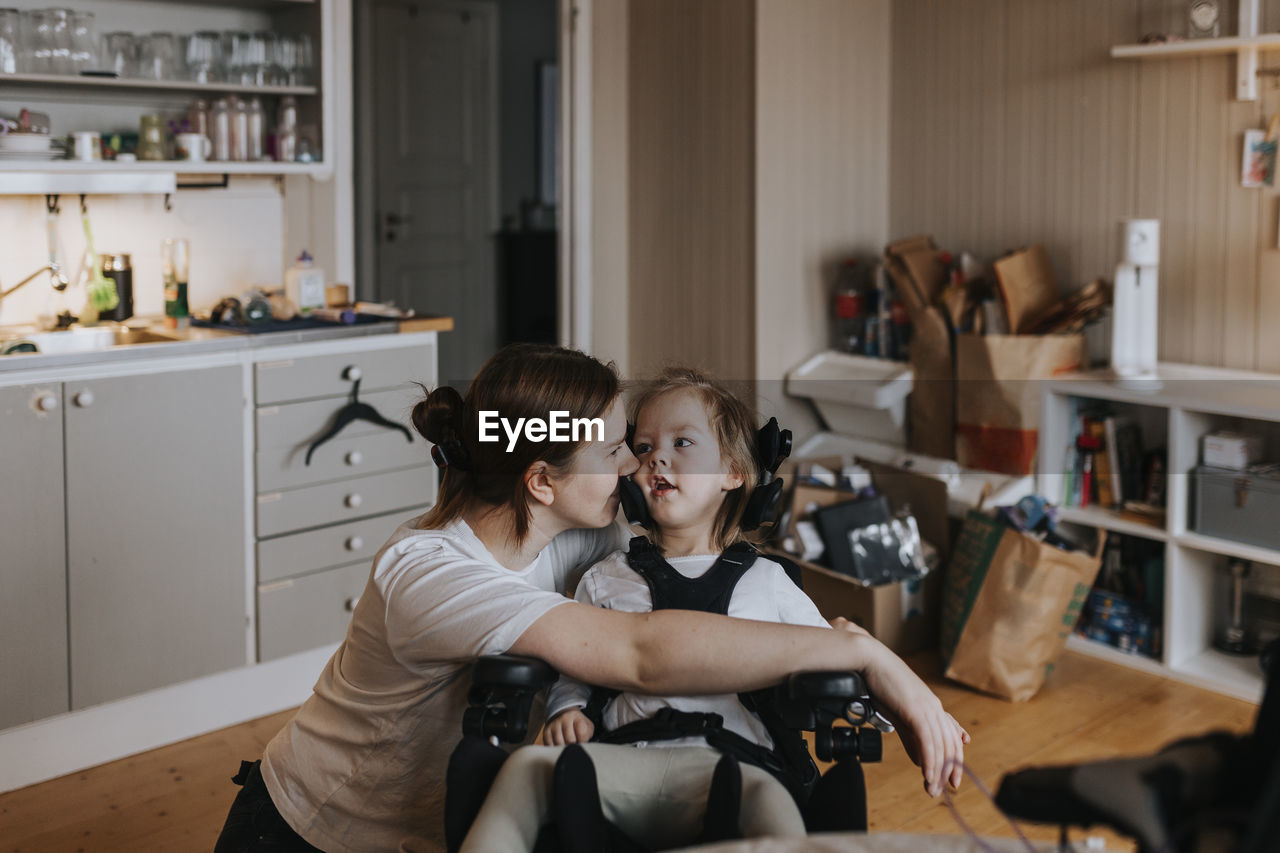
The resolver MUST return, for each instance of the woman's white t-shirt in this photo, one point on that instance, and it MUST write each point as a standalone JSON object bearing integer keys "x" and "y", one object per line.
{"x": 362, "y": 764}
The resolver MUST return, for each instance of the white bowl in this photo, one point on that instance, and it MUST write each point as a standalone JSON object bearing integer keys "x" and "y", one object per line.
{"x": 29, "y": 143}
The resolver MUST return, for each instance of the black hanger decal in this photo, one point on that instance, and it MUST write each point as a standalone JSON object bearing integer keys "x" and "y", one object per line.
{"x": 354, "y": 410}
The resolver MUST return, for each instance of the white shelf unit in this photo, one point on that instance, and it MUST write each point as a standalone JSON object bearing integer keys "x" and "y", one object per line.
{"x": 112, "y": 105}
{"x": 1246, "y": 45}
{"x": 1190, "y": 402}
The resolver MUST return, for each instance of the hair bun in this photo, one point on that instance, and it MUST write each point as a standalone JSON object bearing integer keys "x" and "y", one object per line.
{"x": 439, "y": 416}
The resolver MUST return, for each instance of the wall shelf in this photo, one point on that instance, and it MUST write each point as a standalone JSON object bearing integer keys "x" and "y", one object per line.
{"x": 1196, "y": 47}
{"x": 13, "y": 169}
{"x": 84, "y": 82}
{"x": 1245, "y": 45}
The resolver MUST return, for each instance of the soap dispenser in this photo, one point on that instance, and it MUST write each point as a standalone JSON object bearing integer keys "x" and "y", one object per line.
{"x": 304, "y": 284}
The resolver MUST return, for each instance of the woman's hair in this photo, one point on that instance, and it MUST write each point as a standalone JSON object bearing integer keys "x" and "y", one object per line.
{"x": 519, "y": 381}
{"x": 735, "y": 429}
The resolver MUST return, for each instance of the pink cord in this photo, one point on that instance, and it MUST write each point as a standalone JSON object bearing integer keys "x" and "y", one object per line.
{"x": 955, "y": 813}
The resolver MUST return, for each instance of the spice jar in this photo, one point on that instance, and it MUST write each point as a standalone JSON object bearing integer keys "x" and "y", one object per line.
{"x": 151, "y": 139}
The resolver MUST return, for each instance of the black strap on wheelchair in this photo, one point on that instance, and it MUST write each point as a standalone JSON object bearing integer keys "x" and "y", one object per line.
{"x": 789, "y": 761}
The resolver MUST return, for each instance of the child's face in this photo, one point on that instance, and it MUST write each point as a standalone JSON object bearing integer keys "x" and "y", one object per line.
{"x": 682, "y": 473}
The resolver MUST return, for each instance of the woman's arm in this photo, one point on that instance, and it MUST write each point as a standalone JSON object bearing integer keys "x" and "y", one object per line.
{"x": 674, "y": 652}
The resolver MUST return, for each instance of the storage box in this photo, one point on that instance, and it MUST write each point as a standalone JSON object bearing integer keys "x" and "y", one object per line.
{"x": 856, "y": 395}
{"x": 903, "y": 616}
{"x": 1234, "y": 450}
{"x": 1242, "y": 506}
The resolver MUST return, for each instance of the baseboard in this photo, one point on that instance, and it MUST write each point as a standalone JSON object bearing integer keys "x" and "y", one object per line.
{"x": 49, "y": 748}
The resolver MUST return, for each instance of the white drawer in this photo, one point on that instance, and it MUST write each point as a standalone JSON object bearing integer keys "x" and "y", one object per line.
{"x": 333, "y": 375}
{"x": 339, "y": 544}
{"x": 302, "y": 613}
{"x": 346, "y": 500}
{"x": 337, "y": 459}
{"x": 296, "y": 425}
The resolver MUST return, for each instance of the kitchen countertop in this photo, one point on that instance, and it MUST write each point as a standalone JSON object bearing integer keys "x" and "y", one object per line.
{"x": 196, "y": 340}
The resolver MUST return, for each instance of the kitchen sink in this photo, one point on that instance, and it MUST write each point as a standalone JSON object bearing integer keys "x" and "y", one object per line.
{"x": 78, "y": 339}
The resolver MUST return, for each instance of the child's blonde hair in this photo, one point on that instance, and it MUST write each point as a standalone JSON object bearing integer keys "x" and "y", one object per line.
{"x": 735, "y": 430}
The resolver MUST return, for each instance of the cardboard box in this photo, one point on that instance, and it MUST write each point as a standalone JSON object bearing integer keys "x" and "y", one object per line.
{"x": 1234, "y": 450}
{"x": 903, "y": 616}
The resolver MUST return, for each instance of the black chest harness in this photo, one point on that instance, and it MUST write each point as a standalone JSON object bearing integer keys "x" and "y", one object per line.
{"x": 789, "y": 760}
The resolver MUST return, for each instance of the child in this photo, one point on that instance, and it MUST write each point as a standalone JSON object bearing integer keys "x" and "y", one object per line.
{"x": 698, "y": 466}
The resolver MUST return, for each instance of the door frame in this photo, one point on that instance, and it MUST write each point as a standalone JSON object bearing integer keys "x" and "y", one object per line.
{"x": 575, "y": 231}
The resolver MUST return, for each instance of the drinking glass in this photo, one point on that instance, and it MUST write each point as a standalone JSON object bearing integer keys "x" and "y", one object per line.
{"x": 83, "y": 40}
{"x": 204, "y": 57}
{"x": 60, "y": 41}
{"x": 37, "y": 36}
{"x": 157, "y": 56}
{"x": 293, "y": 55}
{"x": 9, "y": 29}
{"x": 120, "y": 54}
{"x": 235, "y": 49}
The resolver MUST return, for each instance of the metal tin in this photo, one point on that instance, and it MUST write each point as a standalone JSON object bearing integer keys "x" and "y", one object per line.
{"x": 119, "y": 268}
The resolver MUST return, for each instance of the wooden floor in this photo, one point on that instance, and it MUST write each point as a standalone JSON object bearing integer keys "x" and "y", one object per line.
{"x": 175, "y": 798}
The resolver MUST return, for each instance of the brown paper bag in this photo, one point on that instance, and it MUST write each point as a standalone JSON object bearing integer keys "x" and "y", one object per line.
{"x": 1028, "y": 287}
{"x": 998, "y": 395}
{"x": 1009, "y": 604}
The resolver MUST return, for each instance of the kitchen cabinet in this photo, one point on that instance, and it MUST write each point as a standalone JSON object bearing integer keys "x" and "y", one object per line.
{"x": 155, "y": 514}
{"x": 115, "y": 105}
{"x": 33, "y": 606}
{"x": 320, "y": 523}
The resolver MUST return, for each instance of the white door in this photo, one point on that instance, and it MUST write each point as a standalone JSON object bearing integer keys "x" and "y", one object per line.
{"x": 434, "y": 169}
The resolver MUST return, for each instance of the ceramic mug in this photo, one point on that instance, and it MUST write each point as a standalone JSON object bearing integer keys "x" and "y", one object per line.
{"x": 86, "y": 145}
{"x": 195, "y": 147}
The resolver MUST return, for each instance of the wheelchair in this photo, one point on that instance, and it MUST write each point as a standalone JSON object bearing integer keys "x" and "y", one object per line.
{"x": 1216, "y": 791}
{"x": 501, "y": 701}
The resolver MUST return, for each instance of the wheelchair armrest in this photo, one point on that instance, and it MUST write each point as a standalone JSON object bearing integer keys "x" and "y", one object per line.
{"x": 512, "y": 671}
{"x": 503, "y": 688}
{"x": 814, "y": 701}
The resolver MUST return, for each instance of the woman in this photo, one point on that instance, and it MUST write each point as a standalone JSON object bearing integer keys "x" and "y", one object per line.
{"x": 361, "y": 766}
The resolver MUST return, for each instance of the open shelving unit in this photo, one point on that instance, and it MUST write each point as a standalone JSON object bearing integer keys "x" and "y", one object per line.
{"x": 110, "y": 104}
{"x": 1189, "y": 402}
{"x": 1246, "y": 45}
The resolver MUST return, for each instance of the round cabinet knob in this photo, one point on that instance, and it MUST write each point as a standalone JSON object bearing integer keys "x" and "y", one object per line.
{"x": 46, "y": 403}
{"x": 351, "y": 374}
{"x": 355, "y": 457}
{"x": 353, "y": 500}
{"x": 351, "y": 603}
{"x": 354, "y": 543}
{"x": 83, "y": 399}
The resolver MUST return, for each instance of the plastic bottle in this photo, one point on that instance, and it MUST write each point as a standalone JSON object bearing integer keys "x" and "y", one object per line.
{"x": 256, "y": 128}
{"x": 304, "y": 284}
{"x": 849, "y": 321}
{"x": 175, "y": 263}
{"x": 287, "y": 130}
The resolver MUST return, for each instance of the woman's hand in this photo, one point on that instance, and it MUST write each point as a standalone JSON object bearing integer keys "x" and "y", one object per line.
{"x": 933, "y": 739}
{"x": 571, "y": 726}
{"x": 842, "y": 624}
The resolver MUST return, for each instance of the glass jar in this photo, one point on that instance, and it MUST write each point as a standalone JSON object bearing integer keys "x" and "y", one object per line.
{"x": 151, "y": 139}
{"x": 239, "y": 130}
{"x": 83, "y": 42}
{"x": 220, "y": 129}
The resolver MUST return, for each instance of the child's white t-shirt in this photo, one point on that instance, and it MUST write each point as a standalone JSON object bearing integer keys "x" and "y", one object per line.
{"x": 764, "y": 593}
{"x": 362, "y": 764}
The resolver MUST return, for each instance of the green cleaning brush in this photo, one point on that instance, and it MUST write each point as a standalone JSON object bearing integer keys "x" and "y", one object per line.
{"x": 100, "y": 289}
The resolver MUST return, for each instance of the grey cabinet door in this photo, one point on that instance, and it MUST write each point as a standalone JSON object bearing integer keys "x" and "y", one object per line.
{"x": 156, "y": 529}
{"x": 33, "y": 570}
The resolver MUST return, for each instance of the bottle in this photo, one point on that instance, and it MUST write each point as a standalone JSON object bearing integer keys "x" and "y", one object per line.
{"x": 239, "y": 130}
{"x": 118, "y": 267}
{"x": 175, "y": 262}
{"x": 304, "y": 284}
{"x": 256, "y": 128}
{"x": 220, "y": 130}
{"x": 198, "y": 116}
{"x": 287, "y": 130}
{"x": 848, "y": 309}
